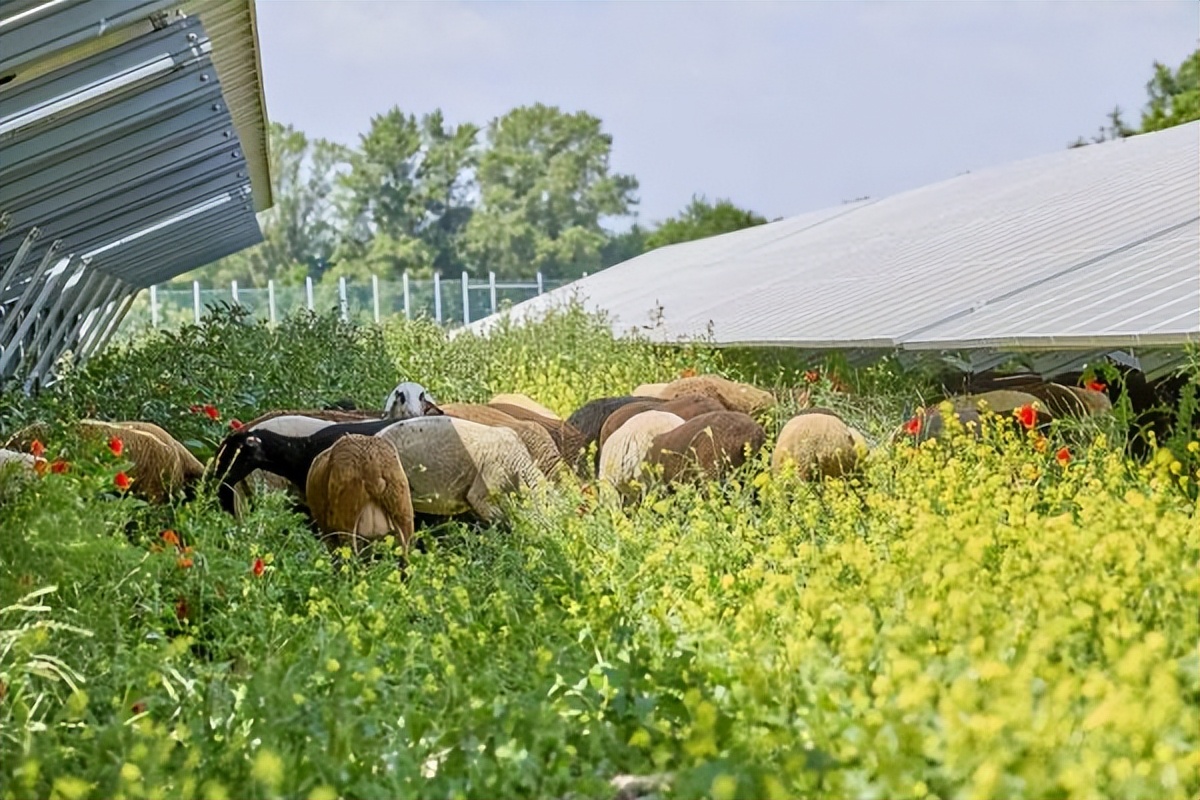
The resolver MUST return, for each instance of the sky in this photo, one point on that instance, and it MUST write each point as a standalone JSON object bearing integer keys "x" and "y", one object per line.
{"x": 781, "y": 107}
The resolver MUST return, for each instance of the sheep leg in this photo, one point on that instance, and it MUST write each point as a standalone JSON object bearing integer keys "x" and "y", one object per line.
{"x": 479, "y": 499}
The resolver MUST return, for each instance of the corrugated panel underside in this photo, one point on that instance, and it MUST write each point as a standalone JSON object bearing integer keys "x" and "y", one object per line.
{"x": 1092, "y": 245}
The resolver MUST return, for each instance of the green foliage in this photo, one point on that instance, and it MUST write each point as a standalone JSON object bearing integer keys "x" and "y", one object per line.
{"x": 1173, "y": 99}
{"x": 544, "y": 185}
{"x": 702, "y": 219}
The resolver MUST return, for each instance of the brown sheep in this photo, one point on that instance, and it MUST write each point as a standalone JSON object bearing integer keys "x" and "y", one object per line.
{"x": 589, "y": 418}
{"x": 733, "y": 395}
{"x": 707, "y": 446}
{"x": 817, "y": 443}
{"x": 568, "y": 440}
{"x": 536, "y": 439}
{"x": 624, "y": 452}
{"x": 358, "y": 492}
{"x": 524, "y": 401}
{"x": 684, "y": 407}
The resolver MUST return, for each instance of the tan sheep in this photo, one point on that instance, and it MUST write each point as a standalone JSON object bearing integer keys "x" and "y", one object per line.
{"x": 817, "y": 443}
{"x": 684, "y": 407}
{"x": 162, "y": 466}
{"x": 625, "y": 450}
{"x": 649, "y": 390}
{"x": 537, "y": 440}
{"x": 524, "y": 401}
{"x": 733, "y": 395}
{"x": 358, "y": 492}
{"x": 566, "y": 437}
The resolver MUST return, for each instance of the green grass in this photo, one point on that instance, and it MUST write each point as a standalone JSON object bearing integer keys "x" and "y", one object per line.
{"x": 973, "y": 620}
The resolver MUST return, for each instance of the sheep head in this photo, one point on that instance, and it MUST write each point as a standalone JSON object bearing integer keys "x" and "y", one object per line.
{"x": 410, "y": 400}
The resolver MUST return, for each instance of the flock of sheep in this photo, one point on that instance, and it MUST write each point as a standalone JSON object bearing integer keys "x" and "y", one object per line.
{"x": 362, "y": 475}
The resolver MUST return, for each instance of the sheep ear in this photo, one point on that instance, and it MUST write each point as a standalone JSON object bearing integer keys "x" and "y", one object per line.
{"x": 429, "y": 409}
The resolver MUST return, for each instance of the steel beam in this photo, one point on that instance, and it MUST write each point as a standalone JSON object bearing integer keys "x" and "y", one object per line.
{"x": 114, "y": 323}
{"x": 11, "y": 317}
{"x": 16, "y": 343}
{"x": 54, "y": 316}
{"x": 92, "y": 283}
{"x": 100, "y": 328}
{"x": 90, "y": 316}
{"x": 18, "y": 257}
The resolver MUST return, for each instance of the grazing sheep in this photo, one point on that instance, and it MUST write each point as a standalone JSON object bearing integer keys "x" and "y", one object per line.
{"x": 589, "y": 418}
{"x": 623, "y": 453}
{"x": 706, "y": 446}
{"x": 1003, "y": 402}
{"x": 649, "y": 390}
{"x": 453, "y": 465}
{"x": 358, "y": 492}
{"x": 567, "y": 439}
{"x": 15, "y": 463}
{"x": 524, "y": 401}
{"x": 733, "y": 395}
{"x": 409, "y": 400}
{"x": 537, "y": 440}
{"x": 323, "y": 414}
{"x": 930, "y": 424}
{"x": 685, "y": 407}
{"x": 817, "y": 443}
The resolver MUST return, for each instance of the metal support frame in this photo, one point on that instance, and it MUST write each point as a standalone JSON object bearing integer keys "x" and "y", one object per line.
{"x": 114, "y": 322}
{"x": 492, "y": 289}
{"x": 30, "y": 286}
{"x": 271, "y": 300}
{"x": 343, "y": 303}
{"x": 308, "y": 291}
{"x": 18, "y": 257}
{"x": 466, "y": 293}
{"x": 55, "y": 319}
{"x": 407, "y": 301}
{"x": 437, "y": 296}
{"x": 15, "y": 345}
{"x": 92, "y": 282}
{"x": 91, "y": 319}
{"x": 99, "y": 325}
{"x": 375, "y": 296}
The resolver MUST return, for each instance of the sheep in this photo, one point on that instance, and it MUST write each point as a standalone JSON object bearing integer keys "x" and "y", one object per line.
{"x": 623, "y": 453}
{"x": 13, "y": 462}
{"x": 409, "y": 400}
{"x": 453, "y": 465}
{"x": 817, "y": 443}
{"x": 684, "y": 407}
{"x": 706, "y": 446}
{"x": 649, "y": 390}
{"x": 537, "y": 440}
{"x": 589, "y": 418}
{"x": 733, "y": 395}
{"x": 329, "y": 415}
{"x": 358, "y": 492}
{"x": 524, "y": 401}
{"x": 566, "y": 437}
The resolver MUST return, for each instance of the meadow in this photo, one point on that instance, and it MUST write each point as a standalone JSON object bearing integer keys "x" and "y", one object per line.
{"x": 1009, "y": 617}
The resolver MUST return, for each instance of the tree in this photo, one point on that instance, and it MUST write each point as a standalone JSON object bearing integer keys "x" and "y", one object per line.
{"x": 544, "y": 185}
{"x": 1174, "y": 99}
{"x": 623, "y": 246}
{"x": 700, "y": 220}
{"x": 300, "y": 231}
{"x": 408, "y": 195}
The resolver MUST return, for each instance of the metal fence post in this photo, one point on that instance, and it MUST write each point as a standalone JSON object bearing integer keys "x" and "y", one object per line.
{"x": 196, "y": 300}
{"x": 539, "y": 280}
{"x": 154, "y": 306}
{"x": 375, "y": 295}
{"x": 466, "y": 290}
{"x": 233, "y": 292}
{"x": 492, "y": 289}
{"x": 343, "y": 304}
{"x": 308, "y": 291}
{"x": 437, "y": 297}
{"x": 407, "y": 308}
{"x": 585, "y": 274}
{"x": 271, "y": 300}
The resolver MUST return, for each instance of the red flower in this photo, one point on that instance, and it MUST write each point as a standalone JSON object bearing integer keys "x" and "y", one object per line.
{"x": 1063, "y": 457}
{"x": 212, "y": 412}
{"x": 122, "y": 481}
{"x": 37, "y": 448}
{"x": 59, "y": 466}
{"x": 913, "y": 426}
{"x": 1026, "y": 415}
{"x": 687, "y": 373}
{"x": 258, "y": 568}
{"x": 184, "y": 563}
{"x": 116, "y": 445}
{"x": 170, "y": 537}
{"x": 40, "y": 465}
{"x": 812, "y": 376}
{"x": 236, "y": 424}
{"x": 1097, "y": 386}
{"x": 195, "y": 409}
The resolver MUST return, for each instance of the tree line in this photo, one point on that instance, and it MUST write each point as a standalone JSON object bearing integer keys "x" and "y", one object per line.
{"x": 1172, "y": 98}
{"x": 532, "y": 192}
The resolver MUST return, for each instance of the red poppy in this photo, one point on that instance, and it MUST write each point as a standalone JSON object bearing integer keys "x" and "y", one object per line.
{"x": 185, "y": 563}
{"x": 40, "y": 465}
{"x": 1063, "y": 457}
{"x": 122, "y": 481}
{"x": 170, "y": 537}
{"x": 37, "y": 448}
{"x": 1027, "y": 415}
{"x": 116, "y": 445}
{"x": 212, "y": 412}
{"x": 1097, "y": 386}
{"x": 59, "y": 466}
{"x": 913, "y": 426}
{"x": 812, "y": 376}
{"x": 687, "y": 373}
{"x": 259, "y": 568}
{"x": 236, "y": 424}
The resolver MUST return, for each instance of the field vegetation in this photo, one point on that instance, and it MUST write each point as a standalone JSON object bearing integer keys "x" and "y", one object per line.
{"x": 1010, "y": 617}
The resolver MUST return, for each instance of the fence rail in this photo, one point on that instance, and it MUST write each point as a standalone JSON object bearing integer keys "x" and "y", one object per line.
{"x": 450, "y": 302}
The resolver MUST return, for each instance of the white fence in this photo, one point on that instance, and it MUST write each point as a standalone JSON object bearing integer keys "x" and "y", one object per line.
{"x": 450, "y": 302}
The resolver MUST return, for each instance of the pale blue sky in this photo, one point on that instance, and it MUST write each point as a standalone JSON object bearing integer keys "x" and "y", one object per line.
{"x": 783, "y": 107}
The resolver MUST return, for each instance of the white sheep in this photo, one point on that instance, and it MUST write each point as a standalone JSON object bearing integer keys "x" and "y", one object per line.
{"x": 650, "y": 390}
{"x": 409, "y": 400}
{"x": 817, "y": 443}
{"x": 624, "y": 451}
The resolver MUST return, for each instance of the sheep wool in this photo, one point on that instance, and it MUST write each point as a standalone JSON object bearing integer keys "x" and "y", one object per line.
{"x": 650, "y": 390}
{"x": 524, "y": 401}
{"x": 706, "y": 446}
{"x": 733, "y": 395}
{"x": 816, "y": 445}
{"x": 14, "y": 463}
{"x": 625, "y": 450}
{"x": 589, "y": 418}
{"x": 537, "y": 440}
{"x": 684, "y": 407}
{"x": 161, "y": 464}
{"x": 358, "y": 493}
{"x": 567, "y": 439}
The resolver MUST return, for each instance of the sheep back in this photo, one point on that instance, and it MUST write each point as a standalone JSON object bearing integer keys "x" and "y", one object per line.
{"x": 534, "y": 437}
{"x": 157, "y": 471}
{"x": 624, "y": 451}
{"x": 649, "y": 390}
{"x": 684, "y": 407}
{"x": 358, "y": 492}
{"x": 589, "y": 418}
{"x": 817, "y": 445}
{"x": 706, "y": 446}
{"x": 524, "y": 401}
{"x": 567, "y": 439}
{"x": 733, "y": 395}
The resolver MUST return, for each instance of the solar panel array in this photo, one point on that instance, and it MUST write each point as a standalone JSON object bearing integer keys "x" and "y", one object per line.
{"x": 1095, "y": 247}
{"x": 120, "y": 167}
